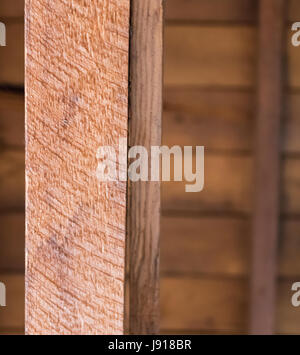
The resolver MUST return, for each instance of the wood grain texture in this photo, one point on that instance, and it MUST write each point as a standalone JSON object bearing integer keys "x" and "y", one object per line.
{"x": 76, "y": 101}
{"x": 144, "y": 197}
{"x": 267, "y": 167}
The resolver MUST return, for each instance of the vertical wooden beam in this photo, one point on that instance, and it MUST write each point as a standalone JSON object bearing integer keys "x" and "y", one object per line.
{"x": 146, "y": 54}
{"x": 267, "y": 181}
{"x": 76, "y": 101}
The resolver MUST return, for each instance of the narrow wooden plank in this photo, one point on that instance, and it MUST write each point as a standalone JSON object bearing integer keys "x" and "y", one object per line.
{"x": 205, "y": 246}
{"x": 144, "y": 197}
{"x": 12, "y": 237}
{"x": 75, "y": 227}
{"x": 196, "y": 56}
{"x": 219, "y": 246}
{"x": 12, "y": 56}
{"x": 219, "y": 305}
{"x": 227, "y": 189}
{"x": 211, "y": 10}
{"x": 11, "y": 119}
{"x": 12, "y": 316}
{"x": 222, "y": 120}
{"x": 267, "y": 168}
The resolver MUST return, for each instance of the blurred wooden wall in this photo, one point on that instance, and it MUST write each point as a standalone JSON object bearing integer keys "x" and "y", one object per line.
{"x": 210, "y": 80}
{"x": 210, "y": 99}
{"x": 12, "y": 187}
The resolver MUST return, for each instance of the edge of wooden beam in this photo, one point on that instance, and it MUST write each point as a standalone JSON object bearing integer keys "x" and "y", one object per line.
{"x": 145, "y": 114}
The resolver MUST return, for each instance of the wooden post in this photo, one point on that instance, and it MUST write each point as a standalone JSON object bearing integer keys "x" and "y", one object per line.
{"x": 266, "y": 207}
{"x": 146, "y": 54}
{"x": 76, "y": 101}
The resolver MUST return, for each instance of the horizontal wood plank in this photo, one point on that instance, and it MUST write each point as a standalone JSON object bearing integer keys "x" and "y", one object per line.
{"x": 222, "y": 119}
{"x": 216, "y": 119}
{"x": 210, "y": 56}
{"x": 229, "y": 186}
{"x": 12, "y": 240}
{"x": 219, "y": 56}
{"x": 204, "y": 304}
{"x": 11, "y": 119}
{"x": 220, "y": 246}
{"x": 205, "y": 245}
{"x": 220, "y": 10}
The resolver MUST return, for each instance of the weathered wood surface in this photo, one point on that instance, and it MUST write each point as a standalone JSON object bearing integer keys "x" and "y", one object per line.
{"x": 75, "y": 228}
{"x": 144, "y": 197}
{"x": 267, "y": 167}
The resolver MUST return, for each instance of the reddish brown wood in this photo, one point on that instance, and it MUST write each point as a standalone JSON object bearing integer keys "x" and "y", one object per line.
{"x": 267, "y": 172}
{"x": 76, "y": 101}
{"x": 146, "y": 55}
